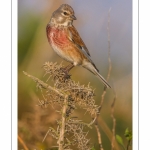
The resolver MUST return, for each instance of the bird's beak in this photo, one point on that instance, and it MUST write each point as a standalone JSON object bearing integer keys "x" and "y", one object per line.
{"x": 73, "y": 17}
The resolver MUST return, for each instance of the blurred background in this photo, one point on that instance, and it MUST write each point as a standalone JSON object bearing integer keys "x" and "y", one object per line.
{"x": 34, "y": 50}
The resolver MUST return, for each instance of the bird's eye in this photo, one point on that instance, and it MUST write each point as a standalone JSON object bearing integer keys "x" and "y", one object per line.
{"x": 65, "y": 13}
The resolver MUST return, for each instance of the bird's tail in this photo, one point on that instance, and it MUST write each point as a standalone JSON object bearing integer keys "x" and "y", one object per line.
{"x": 92, "y": 68}
{"x": 103, "y": 80}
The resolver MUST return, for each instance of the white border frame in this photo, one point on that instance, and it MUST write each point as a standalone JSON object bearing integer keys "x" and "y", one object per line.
{"x": 14, "y": 74}
{"x": 135, "y": 101}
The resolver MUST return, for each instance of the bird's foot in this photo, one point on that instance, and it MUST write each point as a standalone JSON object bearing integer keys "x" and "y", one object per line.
{"x": 66, "y": 73}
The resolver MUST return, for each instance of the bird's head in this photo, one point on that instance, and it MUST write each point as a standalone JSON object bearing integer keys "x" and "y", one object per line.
{"x": 63, "y": 16}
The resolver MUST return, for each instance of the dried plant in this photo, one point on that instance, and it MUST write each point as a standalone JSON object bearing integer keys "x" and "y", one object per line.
{"x": 68, "y": 94}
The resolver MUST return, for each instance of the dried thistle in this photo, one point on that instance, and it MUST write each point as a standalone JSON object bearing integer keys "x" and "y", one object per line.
{"x": 68, "y": 94}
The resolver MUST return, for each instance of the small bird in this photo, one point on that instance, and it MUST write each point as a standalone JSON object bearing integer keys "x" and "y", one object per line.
{"x": 67, "y": 43}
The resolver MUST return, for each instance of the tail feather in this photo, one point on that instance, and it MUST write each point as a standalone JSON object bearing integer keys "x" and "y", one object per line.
{"x": 103, "y": 80}
{"x": 92, "y": 68}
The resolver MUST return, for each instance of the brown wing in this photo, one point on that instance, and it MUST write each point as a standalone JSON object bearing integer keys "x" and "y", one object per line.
{"x": 75, "y": 37}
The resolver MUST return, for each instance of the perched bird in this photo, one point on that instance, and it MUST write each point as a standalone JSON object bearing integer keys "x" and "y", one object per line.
{"x": 67, "y": 43}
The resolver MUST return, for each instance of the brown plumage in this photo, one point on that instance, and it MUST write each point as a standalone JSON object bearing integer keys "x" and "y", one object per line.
{"x": 66, "y": 41}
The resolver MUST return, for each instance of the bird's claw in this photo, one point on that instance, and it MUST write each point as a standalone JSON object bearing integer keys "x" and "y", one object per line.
{"x": 66, "y": 73}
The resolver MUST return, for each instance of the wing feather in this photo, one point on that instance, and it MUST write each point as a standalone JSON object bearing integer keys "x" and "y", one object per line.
{"x": 76, "y": 39}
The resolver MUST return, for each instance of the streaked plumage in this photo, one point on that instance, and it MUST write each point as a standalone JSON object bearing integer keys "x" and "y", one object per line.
{"x": 67, "y": 43}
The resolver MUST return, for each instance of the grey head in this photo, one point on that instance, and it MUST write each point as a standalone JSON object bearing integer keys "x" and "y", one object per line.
{"x": 63, "y": 16}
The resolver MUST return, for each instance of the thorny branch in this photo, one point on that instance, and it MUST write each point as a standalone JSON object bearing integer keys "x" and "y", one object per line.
{"x": 42, "y": 84}
{"x": 63, "y": 124}
{"x": 67, "y": 93}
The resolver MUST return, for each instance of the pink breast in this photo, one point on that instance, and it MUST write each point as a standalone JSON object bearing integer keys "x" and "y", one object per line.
{"x": 57, "y": 37}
